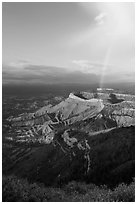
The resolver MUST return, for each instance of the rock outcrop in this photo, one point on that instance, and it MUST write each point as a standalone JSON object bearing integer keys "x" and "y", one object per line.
{"x": 85, "y": 112}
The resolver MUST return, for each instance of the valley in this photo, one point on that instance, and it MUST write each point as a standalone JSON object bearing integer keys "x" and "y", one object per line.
{"x": 57, "y": 139}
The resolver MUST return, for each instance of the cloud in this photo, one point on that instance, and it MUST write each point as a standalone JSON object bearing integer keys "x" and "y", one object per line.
{"x": 92, "y": 66}
{"x": 111, "y": 73}
{"x": 83, "y": 72}
{"x": 40, "y": 74}
{"x": 100, "y": 19}
{"x": 19, "y": 64}
{"x": 42, "y": 69}
{"x": 25, "y": 68}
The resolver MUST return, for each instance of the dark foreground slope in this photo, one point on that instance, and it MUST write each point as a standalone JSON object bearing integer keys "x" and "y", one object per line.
{"x": 19, "y": 190}
{"x": 102, "y": 159}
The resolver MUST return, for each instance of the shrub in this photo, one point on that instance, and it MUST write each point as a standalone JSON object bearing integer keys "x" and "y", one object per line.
{"x": 19, "y": 190}
{"x": 124, "y": 193}
{"x": 14, "y": 189}
{"x": 80, "y": 192}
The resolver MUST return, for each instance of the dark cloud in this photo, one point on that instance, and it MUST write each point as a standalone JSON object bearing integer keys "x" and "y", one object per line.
{"x": 45, "y": 69}
{"x": 47, "y": 75}
{"x": 38, "y": 74}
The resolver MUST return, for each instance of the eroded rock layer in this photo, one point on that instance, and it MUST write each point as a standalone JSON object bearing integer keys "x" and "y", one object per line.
{"x": 91, "y": 112}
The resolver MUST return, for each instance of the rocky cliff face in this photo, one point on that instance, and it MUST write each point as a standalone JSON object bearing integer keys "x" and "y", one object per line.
{"x": 85, "y": 113}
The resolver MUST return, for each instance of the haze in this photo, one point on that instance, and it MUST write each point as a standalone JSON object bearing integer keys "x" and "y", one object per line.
{"x": 54, "y": 43}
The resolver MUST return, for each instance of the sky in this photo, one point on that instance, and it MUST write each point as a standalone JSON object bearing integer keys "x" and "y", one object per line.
{"x": 51, "y": 43}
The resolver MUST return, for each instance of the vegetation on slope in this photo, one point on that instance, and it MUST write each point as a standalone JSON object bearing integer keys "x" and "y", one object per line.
{"x": 112, "y": 160}
{"x": 19, "y": 190}
{"x": 112, "y": 156}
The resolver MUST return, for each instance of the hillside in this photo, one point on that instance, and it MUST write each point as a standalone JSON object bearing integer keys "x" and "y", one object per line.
{"x": 20, "y": 190}
{"x": 92, "y": 113}
{"x": 85, "y": 138}
{"x": 104, "y": 158}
